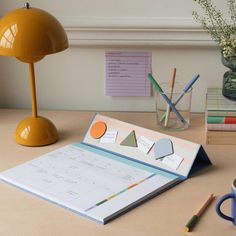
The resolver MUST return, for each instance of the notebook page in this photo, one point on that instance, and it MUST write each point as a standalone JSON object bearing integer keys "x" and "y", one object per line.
{"x": 84, "y": 181}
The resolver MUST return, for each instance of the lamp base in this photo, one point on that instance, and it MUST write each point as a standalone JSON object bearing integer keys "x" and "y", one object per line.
{"x": 36, "y": 131}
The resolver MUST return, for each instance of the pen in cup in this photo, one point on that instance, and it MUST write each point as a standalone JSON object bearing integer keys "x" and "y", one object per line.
{"x": 186, "y": 88}
{"x": 171, "y": 94}
{"x": 159, "y": 89}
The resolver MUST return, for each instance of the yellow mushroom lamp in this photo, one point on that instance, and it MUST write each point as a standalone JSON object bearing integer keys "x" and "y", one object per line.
{"x": 29, "y": 34}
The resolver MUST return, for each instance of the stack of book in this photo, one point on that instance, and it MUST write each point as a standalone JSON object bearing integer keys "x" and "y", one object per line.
{"x": 220, "y": 118}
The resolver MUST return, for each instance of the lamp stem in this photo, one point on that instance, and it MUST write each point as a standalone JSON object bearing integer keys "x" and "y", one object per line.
{"x": 33, "y": 90}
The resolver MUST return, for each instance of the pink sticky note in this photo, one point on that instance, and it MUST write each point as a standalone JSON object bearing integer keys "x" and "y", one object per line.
{"x": 126, "y": 73}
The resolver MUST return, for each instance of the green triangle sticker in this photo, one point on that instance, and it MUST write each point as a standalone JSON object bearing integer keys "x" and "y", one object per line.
{"x": 130, "y": 140}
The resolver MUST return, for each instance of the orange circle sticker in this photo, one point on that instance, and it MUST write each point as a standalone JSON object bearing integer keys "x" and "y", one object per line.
{"x": 98, "y": 129}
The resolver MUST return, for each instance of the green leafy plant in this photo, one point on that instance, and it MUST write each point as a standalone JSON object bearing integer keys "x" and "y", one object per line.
{"x": 221, "y": 29}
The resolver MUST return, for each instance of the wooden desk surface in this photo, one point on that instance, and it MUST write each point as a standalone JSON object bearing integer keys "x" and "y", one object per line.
{"x": 24, "y": 214}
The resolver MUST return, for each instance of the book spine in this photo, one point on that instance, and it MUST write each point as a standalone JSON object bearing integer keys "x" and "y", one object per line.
{"x": 221, "y": 120}
{"x": 225, "y": 127}
{"x": 221, "y": 113}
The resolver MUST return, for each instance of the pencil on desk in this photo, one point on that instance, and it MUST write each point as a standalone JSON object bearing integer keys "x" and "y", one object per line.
{"x": 171, "y": 94}
{"x": 189, "y": 226}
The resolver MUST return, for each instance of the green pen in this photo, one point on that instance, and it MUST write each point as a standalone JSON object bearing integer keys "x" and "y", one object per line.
{"x": 159, "y": 89}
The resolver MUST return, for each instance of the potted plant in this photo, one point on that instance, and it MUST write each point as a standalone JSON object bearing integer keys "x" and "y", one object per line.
{"x": 223, "y": 31}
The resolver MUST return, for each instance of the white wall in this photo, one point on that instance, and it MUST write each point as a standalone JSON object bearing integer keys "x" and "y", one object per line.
{"x": 74, "y": 79}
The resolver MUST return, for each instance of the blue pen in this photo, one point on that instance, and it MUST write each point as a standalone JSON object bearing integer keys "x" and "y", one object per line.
{"x": 186, "y": 88}
{"x": 159, "y": 89}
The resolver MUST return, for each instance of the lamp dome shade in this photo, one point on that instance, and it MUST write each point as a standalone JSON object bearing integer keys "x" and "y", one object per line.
{"x": 31, "y": 33}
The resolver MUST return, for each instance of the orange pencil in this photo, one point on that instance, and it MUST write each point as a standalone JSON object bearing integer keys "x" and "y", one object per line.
{"x": 189, "y": 226}
{"x": 172, "y": 84}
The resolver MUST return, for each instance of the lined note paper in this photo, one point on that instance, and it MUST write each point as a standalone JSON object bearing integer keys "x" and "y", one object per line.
{"x": 144, "y": 144}
{"x": 126, "y": 73}
{"x": 173, "y": 161}
{"x": 109, "y": 137}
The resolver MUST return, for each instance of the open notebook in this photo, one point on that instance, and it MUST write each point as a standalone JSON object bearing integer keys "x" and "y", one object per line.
{"x": 97, "y": 180}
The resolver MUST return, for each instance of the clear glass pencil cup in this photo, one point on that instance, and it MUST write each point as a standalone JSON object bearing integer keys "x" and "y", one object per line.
{"x": 167, "y": 118}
